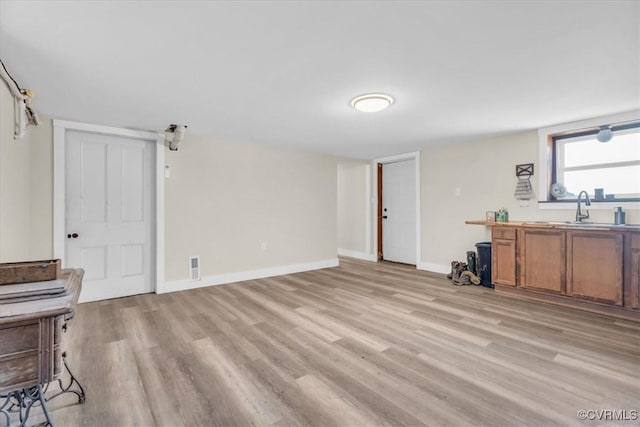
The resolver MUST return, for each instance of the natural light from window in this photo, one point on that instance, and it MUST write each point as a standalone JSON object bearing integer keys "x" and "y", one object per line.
{"x": 584, "y": 163}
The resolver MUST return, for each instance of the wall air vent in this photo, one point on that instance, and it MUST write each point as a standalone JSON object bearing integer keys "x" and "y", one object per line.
{"x": 194, "y": 268}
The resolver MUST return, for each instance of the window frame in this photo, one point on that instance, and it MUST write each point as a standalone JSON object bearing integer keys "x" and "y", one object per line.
{"x": 558, "y": 157}
{"x": 546, "y": 157}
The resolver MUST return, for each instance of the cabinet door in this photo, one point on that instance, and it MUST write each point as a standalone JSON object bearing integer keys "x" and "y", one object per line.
{"x": 632, "y": 300}
{"x": 543, "y": 260}
{"x": 503, "y": 262}
{"x": 594, "y": 266}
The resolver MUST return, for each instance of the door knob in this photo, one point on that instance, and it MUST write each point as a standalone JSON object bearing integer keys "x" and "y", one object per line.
{"x": 72, "y": 236}
{"x": 384, "y": 217}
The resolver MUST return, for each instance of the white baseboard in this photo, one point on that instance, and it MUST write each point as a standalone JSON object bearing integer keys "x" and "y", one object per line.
{"x": 221, "y": 279}
{"x": 435, "y": 268}
{"x": 355, "y": 254}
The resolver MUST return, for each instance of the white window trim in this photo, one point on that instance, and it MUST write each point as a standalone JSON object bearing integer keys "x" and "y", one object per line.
{"x": 60, "y": 128}
{"x": 544, "y": 164}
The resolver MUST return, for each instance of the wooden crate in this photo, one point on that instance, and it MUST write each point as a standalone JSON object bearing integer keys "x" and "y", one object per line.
{"x": 30, "y": 271}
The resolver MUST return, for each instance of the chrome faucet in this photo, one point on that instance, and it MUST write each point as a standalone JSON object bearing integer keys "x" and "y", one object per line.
{"x": 579, "y": 215}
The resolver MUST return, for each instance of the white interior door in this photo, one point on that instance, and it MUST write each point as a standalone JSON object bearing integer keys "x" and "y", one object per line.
{"x": 399, "y": 208}
{"x": 109, "y": 213}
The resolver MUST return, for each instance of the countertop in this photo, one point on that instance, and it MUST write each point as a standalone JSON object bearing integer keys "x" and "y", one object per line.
{"x": 633, "y": 228}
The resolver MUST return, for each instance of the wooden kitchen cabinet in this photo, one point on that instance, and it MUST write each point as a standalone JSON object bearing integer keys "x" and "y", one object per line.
{"x": 542, "y": 260}
{"x": 504, "y": 257}
{"x": 632, "y": 294}
{"x": 595, "y": 267}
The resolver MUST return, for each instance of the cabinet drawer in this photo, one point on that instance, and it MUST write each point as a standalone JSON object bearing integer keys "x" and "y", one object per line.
{"x": 57, "y": 362}
{"x": 19, "y": 338}
{"x": 503, "y": 233}
{"x": 57, "y": 330}
{"x": 19, "y": 372}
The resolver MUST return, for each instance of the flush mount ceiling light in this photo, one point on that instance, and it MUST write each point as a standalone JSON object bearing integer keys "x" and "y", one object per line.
{"x": 604, "y": 134}
{"x": 371, "y": 102}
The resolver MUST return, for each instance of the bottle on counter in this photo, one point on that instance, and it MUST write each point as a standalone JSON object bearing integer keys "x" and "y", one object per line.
{"x": 618, "y": 216}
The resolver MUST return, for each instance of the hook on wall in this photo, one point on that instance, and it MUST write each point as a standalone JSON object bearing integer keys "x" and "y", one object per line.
{"x": 525, "y": 169}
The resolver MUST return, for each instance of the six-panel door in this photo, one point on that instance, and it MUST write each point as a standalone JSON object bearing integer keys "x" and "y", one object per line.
{"x": 109, "y": 217}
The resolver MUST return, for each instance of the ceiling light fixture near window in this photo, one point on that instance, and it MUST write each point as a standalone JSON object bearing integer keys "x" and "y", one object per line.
{"x": 605, "y": 134}
{"x": 371, "y": 102}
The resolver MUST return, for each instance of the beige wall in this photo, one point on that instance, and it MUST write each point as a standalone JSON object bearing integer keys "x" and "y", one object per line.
{"x": 224, "y": 200}
{"x": 26, "y": 187}
{"x": 14, "y": 185}
{"x": 484, "y": 171}
{"x": 352, "y": 206}
{"x": 41, "y": 189}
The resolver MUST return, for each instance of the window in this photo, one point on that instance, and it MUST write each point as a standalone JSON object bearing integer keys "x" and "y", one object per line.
{"x": 581, "y": 162}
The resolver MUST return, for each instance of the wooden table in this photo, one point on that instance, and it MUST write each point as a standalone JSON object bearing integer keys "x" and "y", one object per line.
{"x": 31, "y": 353}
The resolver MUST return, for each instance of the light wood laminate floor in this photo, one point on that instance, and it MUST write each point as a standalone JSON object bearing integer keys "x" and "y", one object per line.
{"x": 362, "y": 344}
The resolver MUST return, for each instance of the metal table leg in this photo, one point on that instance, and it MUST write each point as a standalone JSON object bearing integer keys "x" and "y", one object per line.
{"x": 74, "y": 385}
{"x": 20, "y": 402}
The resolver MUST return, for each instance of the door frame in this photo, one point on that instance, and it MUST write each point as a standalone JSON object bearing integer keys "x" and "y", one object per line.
{"x": 60, "y": 128}
{"x": 373, "y": 225}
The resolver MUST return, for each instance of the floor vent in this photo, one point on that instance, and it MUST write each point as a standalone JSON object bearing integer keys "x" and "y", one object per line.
{"x": 194, "y": 268}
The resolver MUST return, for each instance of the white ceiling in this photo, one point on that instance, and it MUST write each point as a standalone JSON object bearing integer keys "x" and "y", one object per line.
{"x": 283, "y": 72}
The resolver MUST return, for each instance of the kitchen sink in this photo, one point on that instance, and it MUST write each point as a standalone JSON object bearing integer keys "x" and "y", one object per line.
{"x": 578, "y": 224}
{"x": 592, "y": 224}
